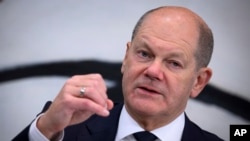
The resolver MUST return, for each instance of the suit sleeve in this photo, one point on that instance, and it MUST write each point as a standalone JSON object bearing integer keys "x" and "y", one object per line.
{"x": 24, "y": 134}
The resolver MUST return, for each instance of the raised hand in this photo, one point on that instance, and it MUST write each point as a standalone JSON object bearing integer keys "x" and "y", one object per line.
{"x": 71, "y": 106}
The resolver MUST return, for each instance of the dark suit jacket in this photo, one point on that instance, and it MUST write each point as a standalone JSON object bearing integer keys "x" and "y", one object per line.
{"x": 99, "y": 128}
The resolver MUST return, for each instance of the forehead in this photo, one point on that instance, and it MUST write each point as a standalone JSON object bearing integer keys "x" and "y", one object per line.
{"x": 163, "y": 48}
{"x": 177, "y": 26}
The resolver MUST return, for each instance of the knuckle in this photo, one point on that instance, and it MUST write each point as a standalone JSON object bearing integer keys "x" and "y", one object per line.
{"x": 70, "y": 80}
{"x": 67, "y": 82}
{"x": 95, "y": 83}
{"x": 88, "y": 104}
{"x": 97, "y": 76}
{"x": 74, "y": 77}
{"x": 89, "y": 90}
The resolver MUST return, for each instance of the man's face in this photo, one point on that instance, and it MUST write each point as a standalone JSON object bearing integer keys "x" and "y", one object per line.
{"x": 159, "y": 69}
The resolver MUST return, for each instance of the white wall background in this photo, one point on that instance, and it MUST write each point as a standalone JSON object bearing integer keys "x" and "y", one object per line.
{"x": 35, "y": 31}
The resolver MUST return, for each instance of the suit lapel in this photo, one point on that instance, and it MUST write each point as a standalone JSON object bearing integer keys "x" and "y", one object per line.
{"x": 191, "y": 131}
{"x": 102, "y": 128}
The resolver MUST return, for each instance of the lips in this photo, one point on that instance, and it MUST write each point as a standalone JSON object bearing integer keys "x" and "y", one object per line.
{"x": 149, "y": 89}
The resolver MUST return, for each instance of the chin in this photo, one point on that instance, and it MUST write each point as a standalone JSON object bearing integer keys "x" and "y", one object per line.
{"x": 143, "y": 107}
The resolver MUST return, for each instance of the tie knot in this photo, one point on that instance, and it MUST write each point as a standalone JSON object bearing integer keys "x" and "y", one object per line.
{"x": 144, "y": 136}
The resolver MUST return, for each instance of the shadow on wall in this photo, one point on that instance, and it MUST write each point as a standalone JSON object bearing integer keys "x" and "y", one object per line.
{"x": 111, "y": 71}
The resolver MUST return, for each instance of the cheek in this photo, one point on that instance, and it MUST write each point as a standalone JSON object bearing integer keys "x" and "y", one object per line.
{"x": 131, "y": 76}
{"x": 127, "y": 80}
{"x": 130, "y": 72}
{"x": 180, "y": 89}
{"x": 183, "y": 84}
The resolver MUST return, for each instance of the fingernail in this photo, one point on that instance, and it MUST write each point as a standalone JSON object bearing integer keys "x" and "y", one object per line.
{"x": 105, "y": 112}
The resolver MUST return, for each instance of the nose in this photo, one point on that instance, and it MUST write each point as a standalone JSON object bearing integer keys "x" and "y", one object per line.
{"x": 154, "y": 71}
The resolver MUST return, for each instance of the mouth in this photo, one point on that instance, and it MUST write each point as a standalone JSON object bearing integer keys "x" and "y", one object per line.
{"x": 148, "y": 90}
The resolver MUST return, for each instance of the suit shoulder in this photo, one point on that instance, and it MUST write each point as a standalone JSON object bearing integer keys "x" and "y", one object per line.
{"x": 193, "y": 132}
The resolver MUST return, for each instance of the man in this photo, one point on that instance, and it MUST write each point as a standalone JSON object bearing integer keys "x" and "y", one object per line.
{"x": 165, "y": 64}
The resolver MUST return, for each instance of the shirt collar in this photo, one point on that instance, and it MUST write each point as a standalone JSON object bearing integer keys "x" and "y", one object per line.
{"x": 172, "y": 131}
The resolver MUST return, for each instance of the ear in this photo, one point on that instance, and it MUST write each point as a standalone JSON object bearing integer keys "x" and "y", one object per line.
{"x": 125, "y": 58}
{"x": 202, "y": 79}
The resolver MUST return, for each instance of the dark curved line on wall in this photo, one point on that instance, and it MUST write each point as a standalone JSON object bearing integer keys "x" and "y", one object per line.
{"x": 111, "y": 71}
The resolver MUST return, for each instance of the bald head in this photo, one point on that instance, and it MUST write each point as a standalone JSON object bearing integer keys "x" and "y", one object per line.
{"x": 183, "y": 19}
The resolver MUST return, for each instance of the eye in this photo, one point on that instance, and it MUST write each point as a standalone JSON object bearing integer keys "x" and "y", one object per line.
{"x": 144, "y": 54}
{"x": 175, "y": 64}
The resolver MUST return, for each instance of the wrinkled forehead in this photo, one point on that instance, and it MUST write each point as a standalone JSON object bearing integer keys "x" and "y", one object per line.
{"x": 172, "y": 23}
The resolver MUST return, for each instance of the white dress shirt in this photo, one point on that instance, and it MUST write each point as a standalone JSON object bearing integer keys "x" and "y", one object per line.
{"x": 126, "y": 127}
{"x": 36, "y": 135}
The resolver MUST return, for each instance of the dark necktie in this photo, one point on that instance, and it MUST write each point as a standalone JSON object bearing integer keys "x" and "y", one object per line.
{"x": 144, "y": 136}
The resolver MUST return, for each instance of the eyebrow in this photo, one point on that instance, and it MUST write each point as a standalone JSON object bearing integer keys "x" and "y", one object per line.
{"x": 144, "y": 44}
